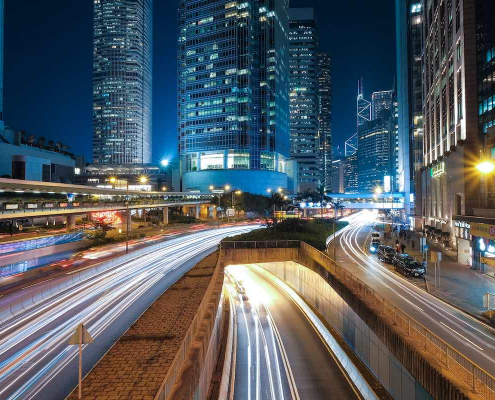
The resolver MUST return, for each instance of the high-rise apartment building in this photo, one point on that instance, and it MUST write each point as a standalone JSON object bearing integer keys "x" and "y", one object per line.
{"x": 325, "y": 118}
{"x": 409, "y": 38}
{"x": 122, "y": 79}
{"x": 304, "y": 96}
{"x": 381, "y": 101}
{"x": 351, "y": 173}
{"x": 233, "y": 94}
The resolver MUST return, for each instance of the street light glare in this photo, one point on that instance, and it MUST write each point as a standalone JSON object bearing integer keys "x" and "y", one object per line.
{"x": 485, "y": 167}
{"x": 113, "y": 179}
{"x": 227, "y": 187}
{"x": 164, "y": 163}
{"x": 378, "y": 190}
{"x": 143, "y": 179}
{"x": 212, "y": 187}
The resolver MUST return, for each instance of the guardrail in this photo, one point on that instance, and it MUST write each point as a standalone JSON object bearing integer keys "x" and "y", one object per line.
{"x": 479, "y": 380}
{"x": 266, "y": 244}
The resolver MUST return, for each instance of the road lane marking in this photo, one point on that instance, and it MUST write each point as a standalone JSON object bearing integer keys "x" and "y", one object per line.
{"x": 464, "y": 337}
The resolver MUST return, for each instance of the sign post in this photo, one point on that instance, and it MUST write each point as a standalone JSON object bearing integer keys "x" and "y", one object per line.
{"x": 79, "y": 337}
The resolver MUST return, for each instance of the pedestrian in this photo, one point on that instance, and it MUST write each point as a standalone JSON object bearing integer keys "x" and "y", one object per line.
{"x": 402, "y": 247}
{"x": 412, "y": 244}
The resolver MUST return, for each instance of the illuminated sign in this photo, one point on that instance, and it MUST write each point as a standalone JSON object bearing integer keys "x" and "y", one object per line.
{"x": 488, "y": 261}
{"x": 483, "y": 230}
{"x": 11, "y": 206}
{"x": 31, "y": 205}
{"x": 437, "y": 170}
{"x": 106, "y": 217}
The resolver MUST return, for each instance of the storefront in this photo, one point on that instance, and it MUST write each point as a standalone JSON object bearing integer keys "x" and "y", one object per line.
{"x": 463, "y": 242}
{"x": 483, "y": 245}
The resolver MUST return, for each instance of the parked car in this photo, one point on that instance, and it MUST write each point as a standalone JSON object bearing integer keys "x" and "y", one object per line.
{"x": 375, "y": 235}
{"x": 408, "y": 265}
{"x": 386, "y": 253}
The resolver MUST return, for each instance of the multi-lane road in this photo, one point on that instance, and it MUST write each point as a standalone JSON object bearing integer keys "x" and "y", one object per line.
{"x": 279, "y": 354}
{"x": 471, "y": 337}
{"x": 35, "y": 359}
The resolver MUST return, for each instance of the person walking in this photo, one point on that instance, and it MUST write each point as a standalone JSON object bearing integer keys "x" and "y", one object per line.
{"x": 402, "y": 247}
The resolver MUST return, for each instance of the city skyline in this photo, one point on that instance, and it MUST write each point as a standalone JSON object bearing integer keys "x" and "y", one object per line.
{"x": 31, "y": 114}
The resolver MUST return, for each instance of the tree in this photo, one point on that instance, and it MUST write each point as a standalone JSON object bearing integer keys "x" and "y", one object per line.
{"x": 336, "y": 205}
{"x": 322, "y": 198}
{"x": 41, "y": 141}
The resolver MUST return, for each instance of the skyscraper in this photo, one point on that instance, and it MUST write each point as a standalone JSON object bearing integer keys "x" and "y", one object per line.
{"x": 304, "y": 97}
{"x": 363, "y": 106}
{"x": 233, "y": 94}
{"x": 1, "y": 61}
{"x": 409, "y": 37}
{"x": 325, "y": 118}
{"x": 122, "y": 79}
{"x": 381, "y": 101}
{"x": 374, "y": 155}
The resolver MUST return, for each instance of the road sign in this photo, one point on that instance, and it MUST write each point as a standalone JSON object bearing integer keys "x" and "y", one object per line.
{"x": 79, "y": 337}
{"x": 76, "y": 339}
{"x": 230, "y": 212}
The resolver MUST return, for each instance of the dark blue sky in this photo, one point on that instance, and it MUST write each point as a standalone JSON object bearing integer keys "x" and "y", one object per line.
{"x": 48, "y": 47}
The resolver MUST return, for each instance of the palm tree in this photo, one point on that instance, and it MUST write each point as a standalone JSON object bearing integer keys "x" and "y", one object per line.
{"x": 322, "y": 198}
{"x": 336, "y": 205}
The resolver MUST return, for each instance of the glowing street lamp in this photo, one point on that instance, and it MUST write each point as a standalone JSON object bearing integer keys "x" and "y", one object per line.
{"x": 143, "y": 179}
{"x": 164, "y": 163}
{"x": 280, "y": 190}
{"x": 268, "y": 190}
{"x": 227, "y": 187}
{"x": 485, "y": 167}
{"x": 212, "y": 187}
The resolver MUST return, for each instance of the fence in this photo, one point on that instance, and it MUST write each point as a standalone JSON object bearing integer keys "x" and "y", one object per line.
{"x": 480, "y": 381}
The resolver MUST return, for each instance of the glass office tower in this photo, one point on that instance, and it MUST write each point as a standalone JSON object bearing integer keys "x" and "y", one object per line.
{"x": 122, "y": 78}
{"x": 233, "y": 87}
{"x": 325, "y": 118}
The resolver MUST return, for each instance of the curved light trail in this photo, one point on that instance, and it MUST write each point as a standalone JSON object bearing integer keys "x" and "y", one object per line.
{"x": 33, "y": 347}
{"x": 471, "y": 337}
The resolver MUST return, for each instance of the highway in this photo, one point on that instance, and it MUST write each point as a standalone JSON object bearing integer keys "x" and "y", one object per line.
{"x": 279, "y": 353}
{"x": 35, "y": 359}
{"x": 471, "y": 337}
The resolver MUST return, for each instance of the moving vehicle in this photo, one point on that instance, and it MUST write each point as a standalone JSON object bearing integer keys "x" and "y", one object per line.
{"x": 408, "y": 265}
{"x": 375, "y": 235}
{"x": 375, "y": 243}
{"x": 386, "y": 254}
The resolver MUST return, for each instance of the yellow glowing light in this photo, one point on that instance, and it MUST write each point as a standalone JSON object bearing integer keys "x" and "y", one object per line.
{"x": 212, "y": 187}
{"x": 485, "y": 167}
{"x": 143, "y": 179}
{"x": 378, "y": 190}
{"x": 227, "y": 187}
{"x": 280, "y": 190}
{"x": 238, "y": 192}
{"x": 113, "y": 179}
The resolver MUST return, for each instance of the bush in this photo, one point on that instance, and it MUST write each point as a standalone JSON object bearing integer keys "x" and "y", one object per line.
{"x": 314, "y": 233}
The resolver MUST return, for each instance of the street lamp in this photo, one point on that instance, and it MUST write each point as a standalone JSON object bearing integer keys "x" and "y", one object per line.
{"x": 268, "y": 190}
{"x": 485, "y": 167}
{"x": 280, "y": 190}
{"x": 164, "y": 188}
{"x": 164, "y": 163}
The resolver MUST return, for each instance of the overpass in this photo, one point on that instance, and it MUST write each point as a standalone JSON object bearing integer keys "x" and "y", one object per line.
{"x": 367, "y": 201}
{"x": 81, "y": 199}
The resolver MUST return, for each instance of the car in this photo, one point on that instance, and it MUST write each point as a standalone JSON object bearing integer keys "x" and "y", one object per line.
{"x": 375, "y": 243}
{"x": 386, "y": 254}
{"x": 408, "y": 265}
{"x": 375, "y": 235}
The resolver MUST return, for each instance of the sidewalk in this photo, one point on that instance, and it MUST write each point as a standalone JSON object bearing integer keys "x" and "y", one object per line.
{"x": 459, "y": 285}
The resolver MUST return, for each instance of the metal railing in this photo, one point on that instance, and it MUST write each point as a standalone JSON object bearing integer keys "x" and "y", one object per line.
{"x": 178, "y": 361}
{"x": 265, "y": 244}
{"x": 480, "y": 381}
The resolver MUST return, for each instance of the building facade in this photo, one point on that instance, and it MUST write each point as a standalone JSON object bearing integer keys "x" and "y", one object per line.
{"x": 1, "y": 61}
{"x": 233, "y": 94}
{"x": 351, "y": 173}
{"x": 325, "y": 119}
{"x": 381, "y": 101}
{"x": 122, "y": 81}
{"x": 304, "y": 97}
{"x": 409, "y": 44}
{"x": 363, "y": 112}
{"x": 375, "y": 154}
{"x": 450, "y": 185}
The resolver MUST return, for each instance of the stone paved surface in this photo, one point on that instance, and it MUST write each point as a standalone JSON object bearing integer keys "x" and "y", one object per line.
{"x": 136, "y": 365}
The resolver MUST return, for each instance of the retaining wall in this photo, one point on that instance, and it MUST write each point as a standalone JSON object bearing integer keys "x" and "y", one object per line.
{"x": 403, "y": 368}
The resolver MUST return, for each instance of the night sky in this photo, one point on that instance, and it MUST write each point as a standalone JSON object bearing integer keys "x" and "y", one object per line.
{"x": 48, "y": 46}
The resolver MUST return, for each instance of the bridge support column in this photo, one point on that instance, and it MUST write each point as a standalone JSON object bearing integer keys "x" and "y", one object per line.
{"x": 70, "y": 223}
{"x": 165, "y": 215}
{"x": 197, "y": 210}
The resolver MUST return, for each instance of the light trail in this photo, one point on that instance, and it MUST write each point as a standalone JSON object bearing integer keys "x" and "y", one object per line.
{"x": 457, "y": 328}
{"x": 30, "y": 361}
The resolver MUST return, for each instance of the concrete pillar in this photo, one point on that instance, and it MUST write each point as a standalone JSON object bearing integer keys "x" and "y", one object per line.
{"x": 197, "y": 210}
{"x": 165, "y": 215}
{"x": 70, "y": 223}
{"x": 144, "y": 215}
